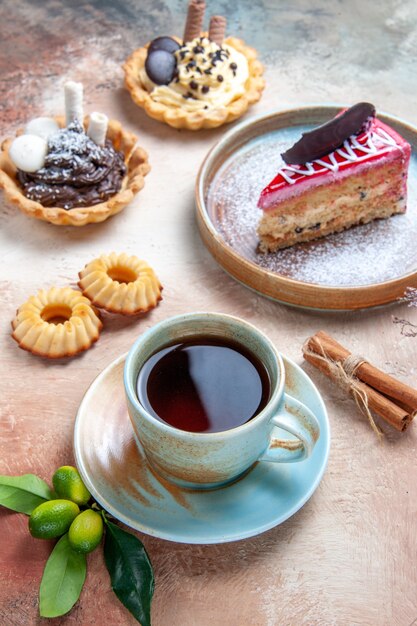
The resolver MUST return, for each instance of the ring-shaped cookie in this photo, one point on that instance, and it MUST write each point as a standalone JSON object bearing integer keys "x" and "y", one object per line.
{"x": 56, "y": 323}
{"x": 120, "y": 283}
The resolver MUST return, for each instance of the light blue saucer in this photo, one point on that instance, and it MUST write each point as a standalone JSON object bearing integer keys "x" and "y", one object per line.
{"x": 119, "y": 478}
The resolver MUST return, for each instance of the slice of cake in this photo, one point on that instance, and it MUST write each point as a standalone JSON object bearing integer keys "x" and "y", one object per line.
{"x": 349, "y": 171}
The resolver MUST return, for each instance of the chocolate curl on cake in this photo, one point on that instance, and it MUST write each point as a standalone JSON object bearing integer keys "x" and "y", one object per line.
{"x": 217, "y": 29}
{"x": 194, "y": 23}
{"x": 97, "y": 128}
{"x": 73, "y": 102}
{"x": 330, "y": 136}
{"x": 372, "y": 389}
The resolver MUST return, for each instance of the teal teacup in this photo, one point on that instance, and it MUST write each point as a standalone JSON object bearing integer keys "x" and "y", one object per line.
{"x": 209, "y": 460}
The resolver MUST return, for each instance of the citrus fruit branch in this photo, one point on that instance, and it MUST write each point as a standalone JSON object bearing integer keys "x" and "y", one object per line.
{"x": 69, "y": 513}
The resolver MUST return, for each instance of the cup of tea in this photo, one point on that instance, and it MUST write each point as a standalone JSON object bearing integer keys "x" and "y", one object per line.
{"x": 204, "y": 392}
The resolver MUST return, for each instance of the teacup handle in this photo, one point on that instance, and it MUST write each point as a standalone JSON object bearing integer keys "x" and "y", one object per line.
{"x": 297, "y": 419}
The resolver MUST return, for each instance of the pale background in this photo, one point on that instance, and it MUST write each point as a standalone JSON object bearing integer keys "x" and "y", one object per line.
{"x": 349, "y": 556}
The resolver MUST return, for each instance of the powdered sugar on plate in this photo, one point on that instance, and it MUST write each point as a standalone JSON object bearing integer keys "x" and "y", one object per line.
{"x": 373, "y": 253}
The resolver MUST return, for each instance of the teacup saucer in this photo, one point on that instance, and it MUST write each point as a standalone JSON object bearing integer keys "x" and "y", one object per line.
{"x": 119, "y": 478}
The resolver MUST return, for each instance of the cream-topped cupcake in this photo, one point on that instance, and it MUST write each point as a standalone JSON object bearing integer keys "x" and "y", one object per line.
{"x": 203, "y": 82}
{"x": 207, "y": 76}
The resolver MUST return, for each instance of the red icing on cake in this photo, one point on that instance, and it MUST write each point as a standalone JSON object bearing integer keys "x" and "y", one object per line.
{"x": 380, "y": 143}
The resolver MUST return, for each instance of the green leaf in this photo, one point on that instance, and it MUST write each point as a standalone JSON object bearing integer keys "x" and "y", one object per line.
{"x": 62, "y": 580}
{"x": 23, "y": 493}
{"x": 130, "y": 571}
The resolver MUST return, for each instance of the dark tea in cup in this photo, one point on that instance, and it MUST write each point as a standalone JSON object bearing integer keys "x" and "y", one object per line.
{"x": 204, "y": 385}
{"x": 205, "y": 392}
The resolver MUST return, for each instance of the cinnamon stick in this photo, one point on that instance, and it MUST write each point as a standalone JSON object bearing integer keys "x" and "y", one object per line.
{"x": 369, "y": 374}
{"x": 397, "y": 404}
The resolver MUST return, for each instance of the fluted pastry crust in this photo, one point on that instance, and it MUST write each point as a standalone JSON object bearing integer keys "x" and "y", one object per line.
{"x": 136, "y": 160}
{"x": 195, "y": 120}
{"x": 120, "y": 283}
{"x": 34, "y": 330}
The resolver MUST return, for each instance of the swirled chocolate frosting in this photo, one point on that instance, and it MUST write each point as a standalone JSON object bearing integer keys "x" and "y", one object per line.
{"x": 77, "y": 172}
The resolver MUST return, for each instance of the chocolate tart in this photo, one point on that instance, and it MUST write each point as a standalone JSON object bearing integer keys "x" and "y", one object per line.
{"x": 136, "y": 161}
{"x": 195, "y": 120}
